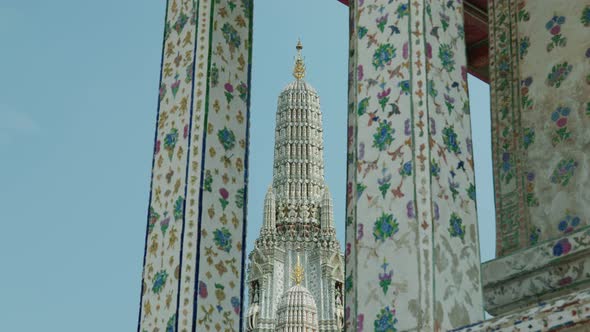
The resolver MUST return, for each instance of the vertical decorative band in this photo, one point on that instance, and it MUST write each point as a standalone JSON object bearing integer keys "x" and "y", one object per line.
{"x": 511, "y": 215}
{"x": 350, "y": 313}
{"x": 143, "y": 284}
{"x": 220, "y": 217}
{"x": 166, "y": 216}
{"x": 188, "y": 283}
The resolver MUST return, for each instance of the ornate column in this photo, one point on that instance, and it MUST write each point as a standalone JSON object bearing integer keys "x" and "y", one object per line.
{"x": 539, "y": 66}
{"x": 194, "y": 258}
{"x": 412, "y": 254}
{"x": 539, "y": 52}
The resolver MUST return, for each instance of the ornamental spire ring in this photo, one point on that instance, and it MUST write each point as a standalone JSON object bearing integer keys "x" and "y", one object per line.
{"x": 298, "y": 272}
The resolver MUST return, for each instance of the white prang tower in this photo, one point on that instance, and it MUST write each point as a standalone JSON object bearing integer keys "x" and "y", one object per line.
{"x": 298, "y": 226}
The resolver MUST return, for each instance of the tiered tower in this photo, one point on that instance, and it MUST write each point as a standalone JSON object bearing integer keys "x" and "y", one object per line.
{"x": 298, "y": 218}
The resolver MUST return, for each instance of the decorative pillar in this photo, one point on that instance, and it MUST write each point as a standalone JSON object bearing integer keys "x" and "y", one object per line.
{"x": 539, "y": 67}
{"x": 412, "y": 254}
{"x": 540, "y": 83}
{"x": 194, "y": 258}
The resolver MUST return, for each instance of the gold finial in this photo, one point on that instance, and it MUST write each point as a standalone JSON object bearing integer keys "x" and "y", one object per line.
{"x": 299, "y": 70}
{"x": 298, "y": 272}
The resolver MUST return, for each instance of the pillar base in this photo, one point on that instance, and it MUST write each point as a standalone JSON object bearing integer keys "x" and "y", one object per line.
{"x": 539, "y": 273}
{"x": 569, "y": 313}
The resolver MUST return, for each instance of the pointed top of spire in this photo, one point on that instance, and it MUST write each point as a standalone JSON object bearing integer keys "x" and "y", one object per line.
{"x": 269, "y": 193}
{"x": 298, "y": 272}
{"x": 299, "y": 46}
{"x": 299, "y": 70}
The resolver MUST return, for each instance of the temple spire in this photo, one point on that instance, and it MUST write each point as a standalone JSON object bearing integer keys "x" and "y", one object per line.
{"x": 298, "y": 157}
{"x": 299, "y": 70}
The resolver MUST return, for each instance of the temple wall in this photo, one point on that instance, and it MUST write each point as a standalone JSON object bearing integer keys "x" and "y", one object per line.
{"x": 541, "y": 115}
{"x": 412, "y": 255}
{"x": 554, "y": 53}
{"x": 540, "y": 139}
{"x": 194, "y": 260}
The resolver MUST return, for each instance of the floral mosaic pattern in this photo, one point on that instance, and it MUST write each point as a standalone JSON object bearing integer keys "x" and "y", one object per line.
{"x": 560, "y": 118}
{"x": 563, "y": 172}
{"x": 534, "y": 174}
{"x": 553, "y": 26}
{"x": 159, "y": 281}
{"x": 562, "y": 247}
{"x": 165, "y": 219}
{"x": 456, "y": 228}
{"x": 383, "y": 55}
{"x": 354, "y": 190}
{"x": 409, "y": 125}
{"x": 531, "y": 198}
{"x": 558, "y": 74}
{"x": 385, "y": 321}
{"x": 521, "y": 279}
{"x": 202, "y": 124}
{"x": 385, "y": 227}
{"x": 568, "y": 224}
{"x": 570, "y": 312}
{"x": 505, "y": 16}
{"x": 386, "y": 277}
{"x": 224, "y": 125}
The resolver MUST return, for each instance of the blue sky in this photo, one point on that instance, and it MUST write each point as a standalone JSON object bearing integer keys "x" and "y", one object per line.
{"x": 78, "y": 94}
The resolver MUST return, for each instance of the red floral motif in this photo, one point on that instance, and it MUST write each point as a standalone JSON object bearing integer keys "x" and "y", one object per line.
{"x": 203, "y": 290}
{"x": 562, "y": 247}
{"x": 565, "y": 281}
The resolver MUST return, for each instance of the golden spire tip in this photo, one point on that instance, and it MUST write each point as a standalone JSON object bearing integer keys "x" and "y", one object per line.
{"x": 299, "y": 70}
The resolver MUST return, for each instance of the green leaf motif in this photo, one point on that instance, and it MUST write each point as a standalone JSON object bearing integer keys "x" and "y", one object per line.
{"x": 385, "y": 227}
{"x": 383, "y": 137}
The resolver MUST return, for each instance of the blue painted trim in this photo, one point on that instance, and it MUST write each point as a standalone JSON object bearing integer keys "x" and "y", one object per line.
{"x": 246, "y": 163}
